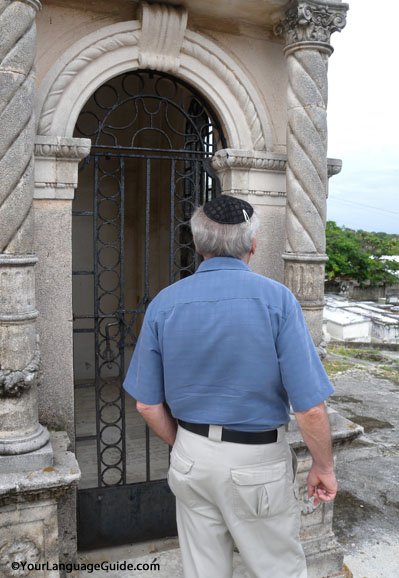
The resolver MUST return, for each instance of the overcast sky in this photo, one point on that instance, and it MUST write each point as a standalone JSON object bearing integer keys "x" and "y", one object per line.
{"x": 363, "y": 118}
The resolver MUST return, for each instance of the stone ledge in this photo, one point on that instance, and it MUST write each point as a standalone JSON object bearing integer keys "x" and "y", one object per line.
{"x": 248, "y": 159}
{"x": 261, "y": 160}
{"x": 343, "y": 432}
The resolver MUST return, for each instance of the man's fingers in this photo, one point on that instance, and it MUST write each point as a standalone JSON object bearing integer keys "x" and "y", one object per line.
{"x": 324, "y": 495}
{"x": 320, "y": 494}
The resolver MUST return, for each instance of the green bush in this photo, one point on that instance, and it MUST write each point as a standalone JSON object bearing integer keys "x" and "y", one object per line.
{"x": 357, "y": 255}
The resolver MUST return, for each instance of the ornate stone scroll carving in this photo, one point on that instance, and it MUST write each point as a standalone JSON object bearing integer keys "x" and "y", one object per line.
{"x": 312, "y": 21}
{"x": 12, "y": 554}
{"x": 17, "y": 53}
{"x": 162, "y": 33}
{"x": 14, "y": 383}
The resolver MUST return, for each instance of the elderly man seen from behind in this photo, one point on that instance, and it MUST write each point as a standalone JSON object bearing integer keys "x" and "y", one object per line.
{"x": 220, "y": 356}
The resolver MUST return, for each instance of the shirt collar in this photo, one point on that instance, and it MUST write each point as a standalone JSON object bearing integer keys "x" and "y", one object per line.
{"x": 217, "y": 263}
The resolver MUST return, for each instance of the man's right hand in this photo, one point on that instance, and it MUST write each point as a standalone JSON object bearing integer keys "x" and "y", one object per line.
{"x": 322, "y": 486}
{"x": 315, "y": 429}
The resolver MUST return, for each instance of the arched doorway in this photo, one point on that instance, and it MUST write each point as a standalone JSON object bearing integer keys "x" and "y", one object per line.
{"x": 152, "y": 137}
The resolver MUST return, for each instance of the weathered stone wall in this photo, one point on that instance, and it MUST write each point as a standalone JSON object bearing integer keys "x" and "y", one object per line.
{"x": 352, "y": 290}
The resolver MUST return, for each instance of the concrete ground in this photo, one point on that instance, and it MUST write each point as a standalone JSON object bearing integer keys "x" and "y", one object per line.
{"x": 366, "y": 515}
{"x": 164, "y": 553}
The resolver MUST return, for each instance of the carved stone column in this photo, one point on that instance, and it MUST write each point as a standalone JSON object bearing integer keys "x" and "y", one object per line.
{"x": 307, "y": 28}
{"x": 20, "y": 432}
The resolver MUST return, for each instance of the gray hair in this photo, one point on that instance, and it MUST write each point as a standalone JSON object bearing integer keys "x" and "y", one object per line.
{"x": 219, "y": 240}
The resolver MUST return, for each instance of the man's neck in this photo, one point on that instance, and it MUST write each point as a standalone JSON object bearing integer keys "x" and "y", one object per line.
{"x": 246, "y": 257}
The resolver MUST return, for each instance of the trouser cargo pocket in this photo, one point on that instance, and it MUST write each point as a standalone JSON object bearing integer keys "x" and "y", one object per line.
{"x": 179, "y": 477}
{"x": 261, "y": 490}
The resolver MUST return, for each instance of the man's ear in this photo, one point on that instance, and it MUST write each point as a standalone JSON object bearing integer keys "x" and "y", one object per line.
{"x": 253, "y": 248}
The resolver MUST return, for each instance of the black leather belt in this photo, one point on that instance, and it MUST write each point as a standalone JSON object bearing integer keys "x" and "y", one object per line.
{"x": 235, "y": 436}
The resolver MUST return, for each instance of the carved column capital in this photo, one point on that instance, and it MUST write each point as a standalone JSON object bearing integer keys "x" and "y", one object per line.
{"x": 56, "y": 165}
{"x": 307, "y": 23}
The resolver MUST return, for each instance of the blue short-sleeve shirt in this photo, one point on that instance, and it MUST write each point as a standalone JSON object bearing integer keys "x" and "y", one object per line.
{"x": 227, "y": 346}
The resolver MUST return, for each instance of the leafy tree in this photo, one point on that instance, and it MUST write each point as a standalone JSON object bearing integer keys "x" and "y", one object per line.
{"x": 357, "y": 255}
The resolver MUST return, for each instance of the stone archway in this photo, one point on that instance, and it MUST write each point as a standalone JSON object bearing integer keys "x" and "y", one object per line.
{"x": 122, "y": 47}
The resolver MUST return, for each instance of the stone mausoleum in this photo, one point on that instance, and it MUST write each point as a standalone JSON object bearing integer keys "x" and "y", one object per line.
{"x": 116, "y": 119}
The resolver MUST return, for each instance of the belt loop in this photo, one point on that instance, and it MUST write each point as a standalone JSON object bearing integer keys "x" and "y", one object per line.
{"x": 215, "y": 433}
{"x": 280, "y": 433}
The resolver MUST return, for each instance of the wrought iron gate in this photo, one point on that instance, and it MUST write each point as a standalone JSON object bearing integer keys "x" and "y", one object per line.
{"x": 152, "y": 138}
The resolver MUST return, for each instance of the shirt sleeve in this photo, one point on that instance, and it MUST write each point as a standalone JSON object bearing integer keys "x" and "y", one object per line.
{"x": 144, "y": 378}
{"x": 303, "y": 375}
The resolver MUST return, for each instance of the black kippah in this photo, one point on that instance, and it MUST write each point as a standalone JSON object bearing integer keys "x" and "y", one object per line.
{"x": 228, "y": 210}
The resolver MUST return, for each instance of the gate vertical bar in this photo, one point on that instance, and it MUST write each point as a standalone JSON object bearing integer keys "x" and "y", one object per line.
{"x": 121, "y": 308}
{"x": 172, "y": 222}
{"x": 96, "y": 320}
{"x": 147, "y": 288}
{"x": 196, "y": 202}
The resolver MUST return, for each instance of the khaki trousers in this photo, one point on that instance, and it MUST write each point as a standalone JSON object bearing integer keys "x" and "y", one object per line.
{"x": 227, "y": 492}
